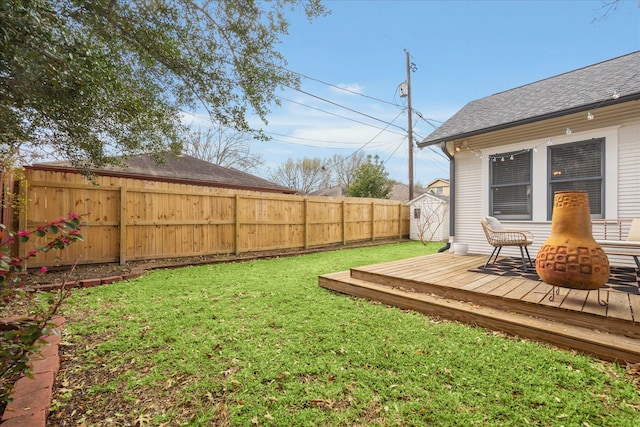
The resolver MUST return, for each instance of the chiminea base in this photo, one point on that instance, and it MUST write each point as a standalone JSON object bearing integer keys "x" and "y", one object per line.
{"x": 555, "y": 290}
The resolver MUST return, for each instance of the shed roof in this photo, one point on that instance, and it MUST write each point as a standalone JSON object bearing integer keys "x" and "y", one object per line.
{"x": 579, "y": 90}
{"x": 439, "y": 197}
{"x": 183, "y": 169}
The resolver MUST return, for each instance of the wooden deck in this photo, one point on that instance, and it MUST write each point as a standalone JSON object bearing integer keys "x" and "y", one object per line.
{"x": 442, "y": 285}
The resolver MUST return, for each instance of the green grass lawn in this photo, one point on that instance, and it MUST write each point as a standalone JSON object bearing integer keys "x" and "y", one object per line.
{"x": 260, "y": 343}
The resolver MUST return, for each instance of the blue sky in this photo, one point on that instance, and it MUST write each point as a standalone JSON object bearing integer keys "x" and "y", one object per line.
{"x": 463, "y": 50}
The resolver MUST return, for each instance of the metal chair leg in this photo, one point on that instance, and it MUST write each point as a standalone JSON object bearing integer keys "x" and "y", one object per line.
{"x": 526, "y": 248}
{"x": 490, "y": 256}
{"x": 524, "y": 262}
{"x": 497, "y": 254}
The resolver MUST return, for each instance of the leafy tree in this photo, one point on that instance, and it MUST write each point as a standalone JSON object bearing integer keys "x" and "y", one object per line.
{"x": 223, "y": 146}
{"x": 371, "y": 180}
{"x": 304, "y": 175}
{"x": 97, "y": 78}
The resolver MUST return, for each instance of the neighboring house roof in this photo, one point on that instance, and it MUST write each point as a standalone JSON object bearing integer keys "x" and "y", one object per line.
{"x": 183, "y": 169}
{"x": 336, "y": 191}
{"x": 400, "y": 192}
{"x": 575, "y": 91}
{"x": 444, "y": 181}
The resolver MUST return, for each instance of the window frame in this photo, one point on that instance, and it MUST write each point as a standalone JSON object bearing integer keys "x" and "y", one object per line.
{"x": 528, "y": 216}
{"x": 602, "y": 177}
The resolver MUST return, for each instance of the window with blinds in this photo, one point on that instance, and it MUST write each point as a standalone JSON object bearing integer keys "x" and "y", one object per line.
{"x": 511, "y": 185}
{"x": 578, "y": 166}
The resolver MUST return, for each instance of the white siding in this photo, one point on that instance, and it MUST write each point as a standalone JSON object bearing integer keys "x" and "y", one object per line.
{"x": 629, "y": 172}
{"x": 470, "y": 193}
{"x": 622, "y": 190}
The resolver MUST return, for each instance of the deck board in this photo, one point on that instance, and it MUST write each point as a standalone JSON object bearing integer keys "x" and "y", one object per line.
{"x": 483, "y": 284}
{"x": 575, "y": 300}
{"x": 634, "y": 303}
{"x": 592, "y": 305}
{"x": 538, "y": 294}
{"x": 523, "y": 289}
{"x": 556, "y": 297}
{"x": 619, "y": 306}
{"x": 505, "y": 286}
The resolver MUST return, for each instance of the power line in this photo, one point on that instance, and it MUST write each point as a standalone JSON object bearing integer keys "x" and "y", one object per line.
{"x": 387, "y": 124}
{"x": 309, "y": 145}
{"x": 394, "y": 151}
{"x": 344, "y": 89}
{"x": 371, "y": 140}
{"x": 346, "y": 108}
{"x": 313, "y": 140}
{"x": 419, "y": 115}
{"x": 433, "y": 151}
{"x": 343, "y": 117}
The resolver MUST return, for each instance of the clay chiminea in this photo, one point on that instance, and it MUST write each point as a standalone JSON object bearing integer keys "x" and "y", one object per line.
{"x": 570, "y": 257}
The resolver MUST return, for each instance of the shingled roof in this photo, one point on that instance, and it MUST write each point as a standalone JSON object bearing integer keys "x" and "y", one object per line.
{"x": 579, "y": 90}
{"x": 182, "y": 169}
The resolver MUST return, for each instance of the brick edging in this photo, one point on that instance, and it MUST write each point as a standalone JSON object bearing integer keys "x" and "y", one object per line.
{"x": 32, "y": 396}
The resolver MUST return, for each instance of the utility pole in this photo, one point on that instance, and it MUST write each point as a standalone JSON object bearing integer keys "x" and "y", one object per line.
{"x": 410, "y": 126}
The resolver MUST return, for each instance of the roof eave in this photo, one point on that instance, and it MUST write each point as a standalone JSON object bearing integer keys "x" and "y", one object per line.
{"x": 555, "y": 114}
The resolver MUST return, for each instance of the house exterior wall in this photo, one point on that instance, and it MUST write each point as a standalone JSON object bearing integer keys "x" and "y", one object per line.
{"x": 439, "y": 187}
{"x": 629, "y": 172}
{"x": 622, "y": 185}
{"x": 437, "y": 210}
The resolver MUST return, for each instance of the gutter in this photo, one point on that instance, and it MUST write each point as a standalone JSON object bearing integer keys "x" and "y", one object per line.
{"x": 452, "y": 196}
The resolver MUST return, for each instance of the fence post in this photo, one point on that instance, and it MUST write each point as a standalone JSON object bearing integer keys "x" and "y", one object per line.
{"x": 123, "y": 225}
{"x": 6, "y": 206}
{"x": 373, "y": 221}
{"x": 306, "y": 223}
{"x": 400, "y": 219}
{"x": 237, "y": 227}
{"x": 344, "y": 222}
{"x": 23, "y": 219}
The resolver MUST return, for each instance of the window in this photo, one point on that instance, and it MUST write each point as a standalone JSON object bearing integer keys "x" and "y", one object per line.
{"x": 416, "y": 213}
{"x": 511, "y": 185}
{"x": 578, "y": 166}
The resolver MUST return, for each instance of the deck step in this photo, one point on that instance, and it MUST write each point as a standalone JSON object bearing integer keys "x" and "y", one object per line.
{"x": 604, "y": 345}
{"x": 512, "y": 302}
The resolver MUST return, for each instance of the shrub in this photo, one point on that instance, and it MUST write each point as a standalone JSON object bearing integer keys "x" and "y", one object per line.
{"x": 21, "y": 335}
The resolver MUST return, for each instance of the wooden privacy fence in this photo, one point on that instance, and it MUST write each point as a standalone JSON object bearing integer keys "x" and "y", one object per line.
{"x": 134, "y": 219}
